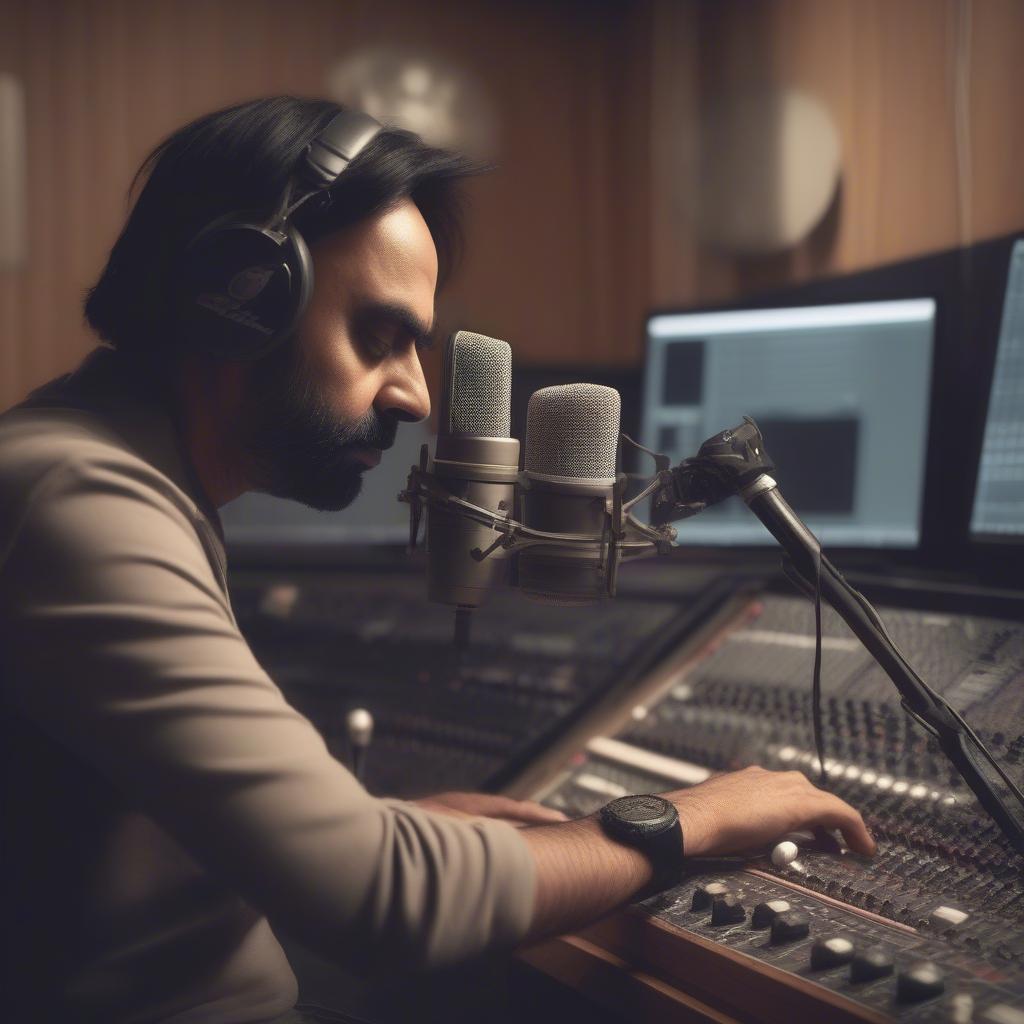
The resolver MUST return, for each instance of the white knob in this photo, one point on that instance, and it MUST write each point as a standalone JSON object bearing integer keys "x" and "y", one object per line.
{"x": 785, "y": 853}
{"x": 359, "y": 727}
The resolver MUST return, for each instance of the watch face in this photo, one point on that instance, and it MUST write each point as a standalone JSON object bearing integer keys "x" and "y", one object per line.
{"x": 636, "y": 816}
{"x": 640, "y": 809}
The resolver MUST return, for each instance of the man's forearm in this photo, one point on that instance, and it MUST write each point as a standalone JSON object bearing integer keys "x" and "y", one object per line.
{"x": 581, "y": 875}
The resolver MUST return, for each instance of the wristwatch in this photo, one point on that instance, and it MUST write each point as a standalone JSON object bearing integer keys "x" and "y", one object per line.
{"x": 651, "y": 824}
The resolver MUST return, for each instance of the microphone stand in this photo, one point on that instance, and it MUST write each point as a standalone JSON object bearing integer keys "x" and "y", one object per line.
{"x": 735, "y": 462}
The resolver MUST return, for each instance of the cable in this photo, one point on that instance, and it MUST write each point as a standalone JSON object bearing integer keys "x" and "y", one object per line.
{"x": 819, "y": 742}
{"x": 961, "y": 88}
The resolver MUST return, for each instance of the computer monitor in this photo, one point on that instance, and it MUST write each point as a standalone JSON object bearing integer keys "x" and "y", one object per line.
{"x": 840, "y": 392}
{"x": 998, "y": 512}
{"x": 264, "y": 523}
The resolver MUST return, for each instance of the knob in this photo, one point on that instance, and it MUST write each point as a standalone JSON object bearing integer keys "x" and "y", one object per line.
{"x": 832, "y": 952}
{"x": 875, "y": 962}
{"x": 705, "y": 895}
{"x": 359, "y": 729}
{"x": 790, "y": 926}
{"x": 785, "y": 853}
{"x": 921, "y": 981}
{"x": 765, "y": 913}
{"x": 948, "y": 917}
{"x": 727, "y": 910}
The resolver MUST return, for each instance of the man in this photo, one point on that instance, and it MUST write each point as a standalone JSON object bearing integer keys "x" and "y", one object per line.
{"x": 163, "y": 801}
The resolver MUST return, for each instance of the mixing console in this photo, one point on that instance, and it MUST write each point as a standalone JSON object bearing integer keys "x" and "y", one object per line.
{"x": 932, "y": 928}
{"x": 334, "y": 642}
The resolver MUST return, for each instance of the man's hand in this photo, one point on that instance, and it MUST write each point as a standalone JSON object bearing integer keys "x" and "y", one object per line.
{"x": 582, "y": 873}
{"x": 489, "y": 805}
{"x": 753, "y": 807}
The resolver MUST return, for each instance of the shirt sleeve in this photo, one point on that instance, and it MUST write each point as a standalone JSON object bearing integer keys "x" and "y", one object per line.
{"x": 119, "y": 642}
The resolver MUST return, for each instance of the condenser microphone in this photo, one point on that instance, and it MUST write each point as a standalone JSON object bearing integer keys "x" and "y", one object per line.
{"x": 475, "y": 460}
{"x": 572, "y": 434}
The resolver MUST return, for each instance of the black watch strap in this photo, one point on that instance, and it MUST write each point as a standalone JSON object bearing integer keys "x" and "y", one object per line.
{"x": 651, "y": 825}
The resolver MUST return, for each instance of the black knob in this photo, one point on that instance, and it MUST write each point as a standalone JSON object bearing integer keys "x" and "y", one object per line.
{"x": 790, "y": 926}
{"x": 765, "y": 913}
{"x": 705, "y": 895}
{"x": 922, "y": 981}
{"x": 868, "y": 964}
{"x": 832, "y": 952}
{"x": 727, "y": 910}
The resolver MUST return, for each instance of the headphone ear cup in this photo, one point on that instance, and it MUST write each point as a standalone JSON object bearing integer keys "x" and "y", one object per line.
{"x": 242, "y": 288}
{"x": 301, "y": 263}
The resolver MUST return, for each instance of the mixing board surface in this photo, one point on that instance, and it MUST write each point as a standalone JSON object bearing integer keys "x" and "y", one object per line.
{"x": 941, "y": 906}
{"x": 334, "y": 642}
{"x": 932, "y": 928}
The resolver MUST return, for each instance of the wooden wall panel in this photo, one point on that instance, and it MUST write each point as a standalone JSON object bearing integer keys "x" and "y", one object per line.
{"x": 586, "y": 222}
{"x": 675, "y": 123}
{"x": 546, "y": 232}
{"x": 996, "y": 122}
{"x": 107, "y": 79}
{"x": 887, "y": 72}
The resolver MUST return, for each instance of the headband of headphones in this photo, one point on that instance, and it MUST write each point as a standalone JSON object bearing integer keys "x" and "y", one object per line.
{"x": 328, "y": 155}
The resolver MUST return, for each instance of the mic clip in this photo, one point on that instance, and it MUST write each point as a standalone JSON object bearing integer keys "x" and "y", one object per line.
{"x": 423, "y": 489}
{"x": 621, "y": 535}
{"x": 412, "y": 496}
{"x": 737, "y": 454}
{"x": 723, "y": 466}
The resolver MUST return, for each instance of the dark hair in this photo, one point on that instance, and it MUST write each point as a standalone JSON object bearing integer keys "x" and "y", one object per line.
{"x": 240, "y": 158}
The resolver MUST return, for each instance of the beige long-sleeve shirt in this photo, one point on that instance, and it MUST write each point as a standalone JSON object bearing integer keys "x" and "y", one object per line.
{"x": 162, "y": 800}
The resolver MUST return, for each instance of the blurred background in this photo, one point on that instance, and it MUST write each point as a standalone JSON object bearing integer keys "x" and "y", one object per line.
{"x": 647, "y": 154}
{"x": 652, "y": 159}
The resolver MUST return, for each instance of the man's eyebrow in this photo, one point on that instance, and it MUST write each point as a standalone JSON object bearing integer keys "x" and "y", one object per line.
{"x": 401, "y": 316}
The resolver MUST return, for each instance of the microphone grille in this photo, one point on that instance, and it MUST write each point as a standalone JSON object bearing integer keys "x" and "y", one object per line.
{"x": 572, "y": 430}
{"x": 476, "y": 396}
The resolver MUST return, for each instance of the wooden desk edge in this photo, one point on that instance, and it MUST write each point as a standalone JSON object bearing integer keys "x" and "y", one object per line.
{"x": 684, "y": 977}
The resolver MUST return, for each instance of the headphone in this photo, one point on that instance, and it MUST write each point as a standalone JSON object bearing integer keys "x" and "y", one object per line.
{"x": 246, "y": 279}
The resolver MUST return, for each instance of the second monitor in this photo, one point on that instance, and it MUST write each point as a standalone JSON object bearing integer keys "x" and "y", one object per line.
{"x": 840, "y": 392}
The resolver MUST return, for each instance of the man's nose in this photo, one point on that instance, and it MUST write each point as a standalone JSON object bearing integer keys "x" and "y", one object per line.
{"x": 404, "y": 396}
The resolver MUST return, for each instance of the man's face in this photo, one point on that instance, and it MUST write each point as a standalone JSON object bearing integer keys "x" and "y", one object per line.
{"x": 320, "y": 410}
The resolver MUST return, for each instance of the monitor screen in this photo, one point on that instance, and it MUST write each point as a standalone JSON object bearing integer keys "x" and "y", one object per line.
{"x": 998, "y": 511}
{"x": 840, "y": 392}
{"x": 375, "y": 517}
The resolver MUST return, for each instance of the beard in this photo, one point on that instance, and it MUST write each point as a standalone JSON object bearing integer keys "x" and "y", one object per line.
{"x": 297, "y": 447}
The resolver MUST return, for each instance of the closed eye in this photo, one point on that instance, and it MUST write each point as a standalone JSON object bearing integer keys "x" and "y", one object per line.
{"x": 390, "y": 325}
{"x": 374, "y": 345}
